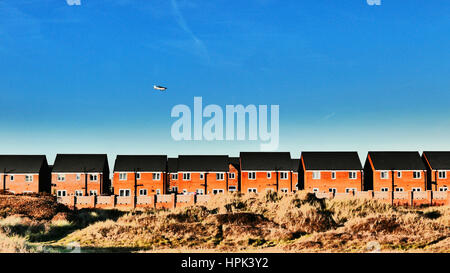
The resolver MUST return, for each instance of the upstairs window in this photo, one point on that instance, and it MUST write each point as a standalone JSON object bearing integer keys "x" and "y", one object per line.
{"x": 78, "y": 176}
{"x": 138, "y": 176}
{"x": 156, "y": 176}
{"x": 252, "y": 175}
{"x": 122, "y": 176}
{"x": 174, "y": 176}
{"x": 442, "y": 175}
{"x": 417, "y": 174}
{"x": 28, "y": 178}
{"x": 284, "y": 175}
{"x": 399, "y": 174}
{"x": 269, "y": 175}
{"x": 333, "y": 175}
{"x": 231, "y": 175}
{"x": 11, "y": 177}
{"x": 202, "y": 176}
{"x": 61, "y": 177}
{"x": 316, "y": 175}
{"x": 219, "y": 176}
{"x": 384, "y": 175}
{"x": 93, "y": 177}
{"x": 352, "y": 175}
{"x": 186, "y": 176}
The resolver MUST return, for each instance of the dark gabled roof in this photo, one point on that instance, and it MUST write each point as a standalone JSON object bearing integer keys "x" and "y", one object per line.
{"x": 80, "y": 163}
{"x": 331, "y": 161}
{"x": 438, "y": 160}
{"x": 265, "y": 161}
{"x": 142, "y": 163}
{"x": 397, "y": 161}
{"x": 295, "y": 165}
{"x": 22, "y": 163}
{"x": 213, "y": 163}
{"x": 172, "y": 165}
{"x": 235, "y": 162}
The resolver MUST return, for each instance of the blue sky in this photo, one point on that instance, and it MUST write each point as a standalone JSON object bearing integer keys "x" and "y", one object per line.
{"x": 347, "y": 76}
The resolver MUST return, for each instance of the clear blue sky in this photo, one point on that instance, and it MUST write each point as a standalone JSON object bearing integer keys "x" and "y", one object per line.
{"x": 347, "y": 76}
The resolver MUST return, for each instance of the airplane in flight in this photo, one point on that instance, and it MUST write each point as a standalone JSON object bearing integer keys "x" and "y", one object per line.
{"x": 160, "y": 88}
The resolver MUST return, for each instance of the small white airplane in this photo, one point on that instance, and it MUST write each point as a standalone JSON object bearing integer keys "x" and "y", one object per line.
{"x": 161, "y": 88}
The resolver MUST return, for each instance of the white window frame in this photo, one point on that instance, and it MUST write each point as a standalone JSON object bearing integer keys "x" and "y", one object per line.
{"x": 220, "y": 176}
{"x": 143, "y": 192}
{"x": 399, "y": 189}
{"x": 138, "y": 176}
{"x": 384, "y": 189}
{"x": 78, "y": 177}
{"x": 61, "y": 193}
{"x": 175, "y": 189}
{"x": 269, "y": 175}
{"x": 185, "y": 191}
{"x": 444, "y": 176}
{"x": 352, "y": 175}
{"x": 158, "y": 191}
{"x": 93, "y": 192}
{"x": 444, "y": 188}
{"x": 231, "y": 175}
{"x": 124, "y": 192}
{"x": 399, "y": 174}
{"x": 316, "y": 175}
{"x": 202, "y": 176}
{"x": 61, "y": 177}
{"x": 232, "y": 188}
{"x": 186, "y": 176}
{"x": 28, "y": 178}
{"x": 254, "y": 190}
{"x": 416, "y": 189}
{"x": 284, "y": 175}
{"x": 156, "y": 176}
{"x": 93, "y": 177}
{"x": 251, "y": 175}
{"x": 315, "y": 189}
{"x": 78, "y": 193}
{"x": 216, "y": 191}
{"x": 123, "y": 176}
{"x": 11, "y": 177}
{"x": 417, "y": 172}
{"x": 284, "y": 190}
{"x": 384, "y": 175}
{"x": 333, "y": 175}
{"x": 333, "y": 190}
{"x": 174, "y": 176}
{"x": 200, "y": 191}
{"x": 348, "y": 190}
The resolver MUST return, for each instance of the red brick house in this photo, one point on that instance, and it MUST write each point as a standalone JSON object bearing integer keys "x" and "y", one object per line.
{"x": 438, "y": 170}
{"x": 266, "y": 171}
{"x": 201, "y": 174}
{"x": 394, "y": 171}
{"x": 295, "y": 168}
{"x": 338, "y": 172}
{"x": 24, "y": 174}
{"x": 234, "y": 174}
{"x": 80, "y": 175}
{"x": 140, "y": 175}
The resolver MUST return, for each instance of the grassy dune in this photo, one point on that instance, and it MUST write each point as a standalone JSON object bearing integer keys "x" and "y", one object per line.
{"x": 239, "y": 223}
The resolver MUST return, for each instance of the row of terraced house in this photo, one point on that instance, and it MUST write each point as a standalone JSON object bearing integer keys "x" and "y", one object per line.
{"x": 143, "y": 175}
